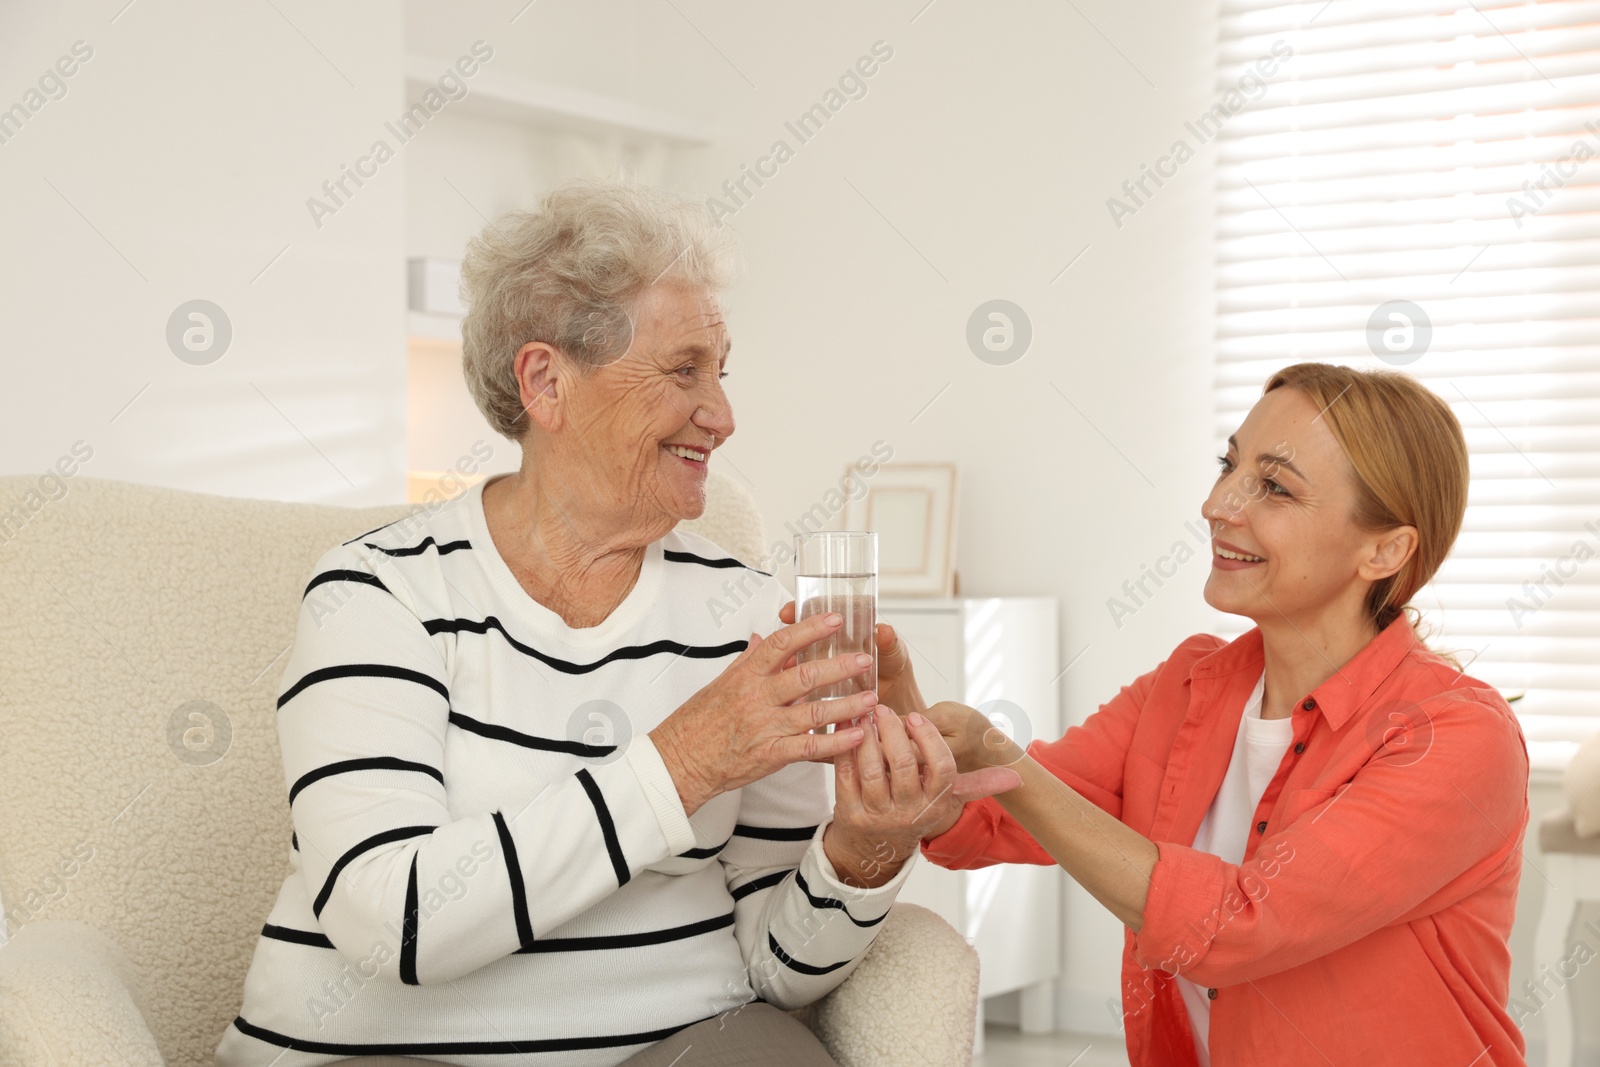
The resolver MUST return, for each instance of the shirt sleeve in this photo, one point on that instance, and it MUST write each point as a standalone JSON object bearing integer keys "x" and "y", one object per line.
{"x": 1090, "y": 758}
{"x": 1406, "y": 837}
{"x": 362, "y": 714}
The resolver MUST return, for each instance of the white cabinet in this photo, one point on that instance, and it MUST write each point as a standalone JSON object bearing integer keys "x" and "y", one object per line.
{"x": 976, "y": 650}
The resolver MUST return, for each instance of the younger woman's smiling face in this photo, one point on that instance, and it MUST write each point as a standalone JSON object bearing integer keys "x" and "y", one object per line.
{"x": 1284, "y": 501}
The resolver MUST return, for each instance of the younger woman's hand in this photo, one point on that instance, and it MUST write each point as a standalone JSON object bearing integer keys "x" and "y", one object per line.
{"x": 974, "y": 741}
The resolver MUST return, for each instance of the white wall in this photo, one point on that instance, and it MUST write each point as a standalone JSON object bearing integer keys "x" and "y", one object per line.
{"x": 177, "y": 167}
{"x": 990, "y": 142}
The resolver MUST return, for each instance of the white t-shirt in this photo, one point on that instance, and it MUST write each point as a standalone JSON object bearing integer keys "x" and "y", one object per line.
{"x": 1257, "y": 752}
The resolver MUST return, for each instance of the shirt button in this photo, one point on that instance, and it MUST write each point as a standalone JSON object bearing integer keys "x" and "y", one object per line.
{"x": 1211, "y": 994}
{"x": 1299, "y": 747}
{"x": 1261, "y": 827}
{"x": 1309, "y": 704}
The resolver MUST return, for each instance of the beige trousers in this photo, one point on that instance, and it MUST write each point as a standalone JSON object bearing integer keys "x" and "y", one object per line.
{"x": 757, "y": 1035}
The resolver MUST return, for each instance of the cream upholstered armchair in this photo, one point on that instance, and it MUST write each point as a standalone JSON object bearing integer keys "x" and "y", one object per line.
{"x": 145, "y": 817}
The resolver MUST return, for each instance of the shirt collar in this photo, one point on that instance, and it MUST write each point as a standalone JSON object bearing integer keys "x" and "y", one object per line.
{"x": 1346, "y": 690}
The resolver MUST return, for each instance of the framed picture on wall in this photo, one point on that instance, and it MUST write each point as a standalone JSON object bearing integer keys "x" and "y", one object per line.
{"x": 912, "y": 508}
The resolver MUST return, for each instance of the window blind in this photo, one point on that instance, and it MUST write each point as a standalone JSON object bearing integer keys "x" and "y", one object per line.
{"x": 1445, "y": 155}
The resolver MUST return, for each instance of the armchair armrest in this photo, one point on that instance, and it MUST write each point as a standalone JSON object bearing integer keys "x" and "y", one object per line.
{"x": 68, "y": 994}
{"x": 912, "y": 1000}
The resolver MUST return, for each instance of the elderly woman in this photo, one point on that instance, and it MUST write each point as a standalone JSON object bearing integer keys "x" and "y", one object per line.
{"x": 1313, "y": 833}
{"x": 547, "y": 808}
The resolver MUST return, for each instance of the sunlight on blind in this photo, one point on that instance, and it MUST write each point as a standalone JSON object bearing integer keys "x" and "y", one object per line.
{"x": 1441, "y": 155}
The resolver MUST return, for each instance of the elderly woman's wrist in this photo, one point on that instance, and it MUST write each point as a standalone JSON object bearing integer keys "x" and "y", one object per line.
{"x": 865, "y": 863}
{"x": 694, "y": 790}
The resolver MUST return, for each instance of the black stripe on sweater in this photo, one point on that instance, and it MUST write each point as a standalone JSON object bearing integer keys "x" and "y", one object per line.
{"x": 635, "y": 940}
{"x": 422, "y": 546}
{"x": 517, "y": 737}
{"x": 725, "y": 563}
{"x": 775, "y": 833}
{"x": 703, "y": 853}
{"x": 755, "y": 885}
{"x": 375, "y": 529}
{"x": 519, "y": 891}
{"x": 343, "y": 576}
{"x": 794, "y": 964}
{"x": 399, "y": 833}
{"x": 298, "y": 937}
{"x": 627, "y": 652}
{"x": 454, "y": 1048}
{"x": 829, "y": 902}
{"x": 362, "y": 670}
{"x": 608, "y": 829}
{"x": 408, "y": 930}
{"x": 370, "y": 763}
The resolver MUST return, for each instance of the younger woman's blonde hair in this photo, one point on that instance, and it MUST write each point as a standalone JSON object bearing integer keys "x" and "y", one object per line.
{"x": 1410, "y": 462}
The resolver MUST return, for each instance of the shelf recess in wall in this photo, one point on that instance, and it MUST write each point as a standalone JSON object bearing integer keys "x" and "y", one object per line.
{"x": 507, "y": 97}
{"x": 420, "y": 324}
{"x": 420, "y": 484}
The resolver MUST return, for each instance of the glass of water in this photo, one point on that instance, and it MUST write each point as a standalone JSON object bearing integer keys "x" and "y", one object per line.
{"x": 838, "y": 572}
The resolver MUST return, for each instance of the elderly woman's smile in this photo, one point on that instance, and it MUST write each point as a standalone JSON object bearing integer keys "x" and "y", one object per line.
{"x": 642, "y": 426}
{"x": 683, "y": 342}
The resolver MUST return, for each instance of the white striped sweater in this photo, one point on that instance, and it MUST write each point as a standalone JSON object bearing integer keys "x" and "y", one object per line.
{"x": 490, "y": 862}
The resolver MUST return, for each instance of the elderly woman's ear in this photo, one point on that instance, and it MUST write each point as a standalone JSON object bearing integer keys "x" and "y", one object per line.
{"x": 538, "y": 368}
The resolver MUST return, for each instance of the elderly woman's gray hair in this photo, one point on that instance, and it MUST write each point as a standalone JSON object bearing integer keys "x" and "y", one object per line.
{"x": 569, "y": 274}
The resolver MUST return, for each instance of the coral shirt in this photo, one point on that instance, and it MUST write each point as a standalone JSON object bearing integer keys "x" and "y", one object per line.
{"x": 1368, "y": 922}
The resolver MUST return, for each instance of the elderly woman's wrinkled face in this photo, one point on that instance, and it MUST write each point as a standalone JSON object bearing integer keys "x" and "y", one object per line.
{"x": 649, "y": 419}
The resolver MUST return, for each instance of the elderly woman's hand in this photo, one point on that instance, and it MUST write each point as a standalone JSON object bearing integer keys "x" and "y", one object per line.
{"x": 978, "y": 747}
{"x": 746, "y": 724}
{"x": 897, "y": 685}
{"x": 899, "y": 785}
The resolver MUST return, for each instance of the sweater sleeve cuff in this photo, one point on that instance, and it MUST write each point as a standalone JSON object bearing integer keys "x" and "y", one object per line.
{"x": 644, "y": 759}
{"x": 1184, "y": 884}
{"x": 865, "y": 904}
